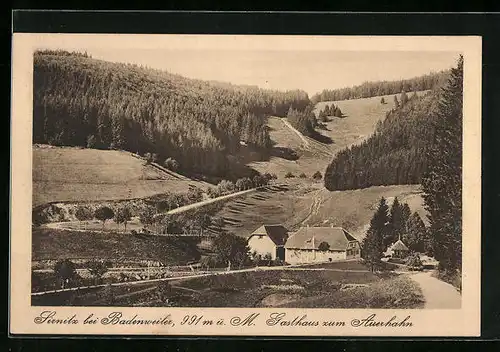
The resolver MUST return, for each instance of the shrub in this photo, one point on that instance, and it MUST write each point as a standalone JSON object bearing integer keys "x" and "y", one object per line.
{"x": 155, "y": 157}
{"x": 258, "y": 180}
{"x": 104, "y": 213}
{"x": 108, "y": 295}
{"x": 213, "y": 192}
{"x": 83, "y": 213}
{"x": 289, "y": 175}
{"x": 164, "y": 291}
{"x": 171, "y": 164}
{"x": 225, "y": 187}
{"x": 91, "y": 141}
{"x": 97, "y": 269}
{"x": 324, "y": 246}
{"x": 65, "y": 271}
{"x": 414, "y": 263}
{"x": 317, "y": 176}
{"x": 303, "y": 175}
{"x": 122, "y": 216}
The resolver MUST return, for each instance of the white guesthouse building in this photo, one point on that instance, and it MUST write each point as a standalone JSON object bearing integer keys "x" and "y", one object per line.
{"x": 305, "y": 246}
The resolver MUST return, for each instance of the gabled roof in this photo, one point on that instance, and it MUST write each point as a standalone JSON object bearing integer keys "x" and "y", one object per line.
{"x": 399, "y": 246}
{"x": 277, "y": 233}
{"x": 336, "y": 237}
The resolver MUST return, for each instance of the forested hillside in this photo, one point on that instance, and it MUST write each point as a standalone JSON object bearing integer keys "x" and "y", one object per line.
{"x": 394, "y": 154}
{"x": 372, "y": 89}
{"x": 80, "y": 101}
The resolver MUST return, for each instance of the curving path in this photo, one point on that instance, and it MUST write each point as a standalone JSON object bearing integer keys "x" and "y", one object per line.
{"x": 437, "y": 294}
{"x": 302, "y": 137}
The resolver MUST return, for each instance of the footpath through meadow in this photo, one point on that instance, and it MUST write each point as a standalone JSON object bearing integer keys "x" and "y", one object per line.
{"x": 437, "y": 294}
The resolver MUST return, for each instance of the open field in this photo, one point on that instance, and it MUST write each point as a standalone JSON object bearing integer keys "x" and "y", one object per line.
{"x": 77, "y": 174}
{"x": 309, "y": 203}
{"x": 359, "y": 121}
{"x": 56, "y": 244}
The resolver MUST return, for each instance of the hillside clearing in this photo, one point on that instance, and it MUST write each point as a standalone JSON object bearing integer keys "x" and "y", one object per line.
{"x": 358, "y": 123}
{"x": 64, "y": 174}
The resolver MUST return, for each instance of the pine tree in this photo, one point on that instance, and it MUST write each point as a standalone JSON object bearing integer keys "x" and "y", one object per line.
{"x": 327, "y": 110}
{"x": 373, "y": 243}
{"x": 404, "y": 98}
{"x": 416, "y": 235}
{"x": 442, "y": 183}
{"x": 338, "y": 112}
{"x": 396, "y": 102}
{"x": 396, "y": 226}
{"x": 406, "y": 213}
{"x": 118, "y": 133}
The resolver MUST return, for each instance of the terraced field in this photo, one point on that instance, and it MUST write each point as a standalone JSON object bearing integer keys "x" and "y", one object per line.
{"x": 300, "y": 203}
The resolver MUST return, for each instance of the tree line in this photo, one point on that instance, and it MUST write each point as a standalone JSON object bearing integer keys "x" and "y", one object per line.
{"x": 394, "y": 154}
{"x": 390, "y": 224}
{"x": 372, "y": 89}
{"x": 80, "y": 101}
{"x": 441, "y": 182}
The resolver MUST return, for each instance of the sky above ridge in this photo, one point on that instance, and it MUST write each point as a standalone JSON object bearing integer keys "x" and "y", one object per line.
{"x": 311, "y": 68}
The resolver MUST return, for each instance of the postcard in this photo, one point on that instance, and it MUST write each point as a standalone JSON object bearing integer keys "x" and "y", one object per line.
{"x": 250, "y": 185}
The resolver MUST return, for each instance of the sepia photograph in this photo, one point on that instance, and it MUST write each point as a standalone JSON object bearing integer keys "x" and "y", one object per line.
{"x": 232, "y": 172}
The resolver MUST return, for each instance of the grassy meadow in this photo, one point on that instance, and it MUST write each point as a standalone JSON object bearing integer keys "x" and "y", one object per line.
{"x": 76, "y": 174}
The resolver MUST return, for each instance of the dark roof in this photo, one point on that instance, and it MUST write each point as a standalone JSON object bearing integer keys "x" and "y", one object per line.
{"x": 336, "y": 237}
{"x": 399, "y": 246}
{"x": 277, "y": 233}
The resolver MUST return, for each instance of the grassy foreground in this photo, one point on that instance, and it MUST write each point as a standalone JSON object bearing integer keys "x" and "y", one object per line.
{"x": 398, "y": 292}
{"x": 335, "y": 285}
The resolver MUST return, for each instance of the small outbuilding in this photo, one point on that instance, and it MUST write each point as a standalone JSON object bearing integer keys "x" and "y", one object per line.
{"x": 269, "y": 240}
{"x": 399, "y": 250}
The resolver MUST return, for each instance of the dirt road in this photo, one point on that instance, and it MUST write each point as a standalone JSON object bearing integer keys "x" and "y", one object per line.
{"x": 209, "y": 201}
{"x": 438, "y": 294}
{"x": 304, "y": 140}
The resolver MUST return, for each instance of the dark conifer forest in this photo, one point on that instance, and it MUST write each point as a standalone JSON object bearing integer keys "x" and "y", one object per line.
{"x": 394, "y": 154}
{"x": 81, "y": 101}
{"x": 373, "y": 89}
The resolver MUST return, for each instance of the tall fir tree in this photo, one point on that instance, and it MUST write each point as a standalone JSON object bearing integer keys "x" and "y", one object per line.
{"x": 396, "y": 102}
{"x": 404, "y": 98}
{"x": 396, "y": 226}
{"x": 416, "y": 236}
{"x": 442, "y": 183}
{"x": 373, "y": 243}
